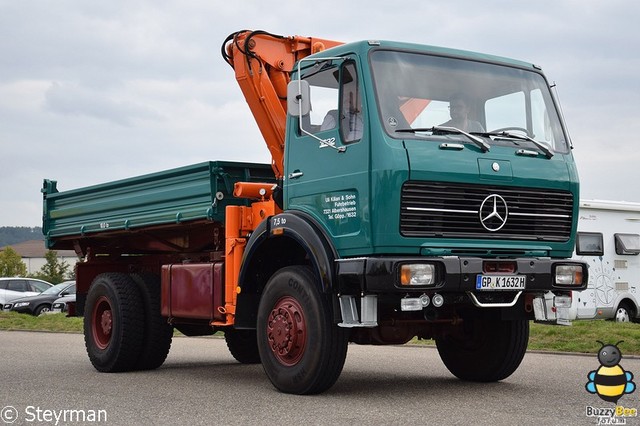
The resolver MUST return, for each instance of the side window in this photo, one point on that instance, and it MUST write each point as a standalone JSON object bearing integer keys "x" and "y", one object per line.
{"x": 38, "y": 286}
{"x": 627, "y": 244}
{"x": 3, "y": 284}
{"x": 351, "y": 117}
{"x": 324, "y": 111}
{"x": 17, "y": 285}
{"x": 323, "y": 85}
{"x": 506, "y": 111}
{"x": 590, "y": 244}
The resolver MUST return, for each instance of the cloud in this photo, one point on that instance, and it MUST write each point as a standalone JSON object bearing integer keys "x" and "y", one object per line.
{"x": 75, "y": 100}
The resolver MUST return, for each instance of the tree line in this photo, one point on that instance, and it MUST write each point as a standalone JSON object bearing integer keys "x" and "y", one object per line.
{"x": 18, "y": 234}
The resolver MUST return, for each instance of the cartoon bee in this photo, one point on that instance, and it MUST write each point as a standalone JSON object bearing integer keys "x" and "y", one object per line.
{"x": 610, "y": 381}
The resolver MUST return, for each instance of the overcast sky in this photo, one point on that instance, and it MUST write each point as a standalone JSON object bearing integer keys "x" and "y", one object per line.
{"x": 96, "y": 91}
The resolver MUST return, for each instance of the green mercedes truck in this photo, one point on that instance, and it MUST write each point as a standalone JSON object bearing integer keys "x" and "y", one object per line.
{"x": 413, "y": 191}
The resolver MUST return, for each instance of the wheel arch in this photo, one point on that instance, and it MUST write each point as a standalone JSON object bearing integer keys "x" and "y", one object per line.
{"x": 291, "y": 238}
{"x": 630, "y": 304}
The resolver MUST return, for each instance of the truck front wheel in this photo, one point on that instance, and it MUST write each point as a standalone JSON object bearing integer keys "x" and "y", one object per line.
{"x": 113, "y": 323}
{"x": 301, "y": 349}
{"x": 482, "y": 350}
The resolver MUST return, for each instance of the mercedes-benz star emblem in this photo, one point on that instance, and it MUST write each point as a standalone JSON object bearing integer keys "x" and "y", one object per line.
{"x": 493, "y": 213}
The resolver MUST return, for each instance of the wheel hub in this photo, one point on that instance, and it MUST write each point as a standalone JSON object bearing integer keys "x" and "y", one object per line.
{"x": 286, "y": 331}
{"x": 102, "y": 323}
{"x": 106, "y": 322}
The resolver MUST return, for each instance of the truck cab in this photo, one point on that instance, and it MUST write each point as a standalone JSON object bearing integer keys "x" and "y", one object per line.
{"x": 420, "y": 201}
{"x": 394, "y": 175}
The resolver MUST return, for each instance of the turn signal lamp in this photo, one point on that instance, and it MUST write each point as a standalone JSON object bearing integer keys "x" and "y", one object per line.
{"x": 419, "y": 274}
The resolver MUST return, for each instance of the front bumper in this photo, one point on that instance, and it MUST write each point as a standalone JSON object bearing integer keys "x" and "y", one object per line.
{"x": 364, "y": 283}
{"x": 376, "y": 275}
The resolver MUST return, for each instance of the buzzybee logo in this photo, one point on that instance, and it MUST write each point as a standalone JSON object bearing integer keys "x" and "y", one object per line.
{"x": 610, "y": 381}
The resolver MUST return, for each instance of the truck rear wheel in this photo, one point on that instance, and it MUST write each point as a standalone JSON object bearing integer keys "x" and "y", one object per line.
{"x": 482, "y": 350}
{"x": 301, "y": 349}
{"x": 113, "y": 323}
{"x": 243, "y": 345}
{"x": 157, "y": 332}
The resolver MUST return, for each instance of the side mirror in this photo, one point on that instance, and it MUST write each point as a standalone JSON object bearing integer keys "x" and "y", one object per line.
{"x": 298, "y": 98}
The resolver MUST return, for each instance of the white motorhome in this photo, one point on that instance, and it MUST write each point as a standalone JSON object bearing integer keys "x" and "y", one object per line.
{"x": 609, "y": 241}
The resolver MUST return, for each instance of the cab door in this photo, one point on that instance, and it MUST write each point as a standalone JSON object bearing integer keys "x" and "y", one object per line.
{"x": 327, "y": 156}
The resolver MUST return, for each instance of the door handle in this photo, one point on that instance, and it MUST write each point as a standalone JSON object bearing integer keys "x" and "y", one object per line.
{"x": 296, "y": 174}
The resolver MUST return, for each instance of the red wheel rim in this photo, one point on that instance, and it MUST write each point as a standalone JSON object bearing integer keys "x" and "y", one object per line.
{"x": 102, "y": 322}
{"x": 287, "y": 331}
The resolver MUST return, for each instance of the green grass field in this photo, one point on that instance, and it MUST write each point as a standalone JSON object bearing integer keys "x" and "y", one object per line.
{"x": 582, "y": 336}
{"x": 47, "y": 322}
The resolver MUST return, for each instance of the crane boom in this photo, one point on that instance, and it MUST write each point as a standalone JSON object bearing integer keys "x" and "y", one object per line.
{"x": 262, "y": 63}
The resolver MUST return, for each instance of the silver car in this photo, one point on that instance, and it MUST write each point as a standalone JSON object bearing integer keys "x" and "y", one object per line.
{"x": 14, "y": 288}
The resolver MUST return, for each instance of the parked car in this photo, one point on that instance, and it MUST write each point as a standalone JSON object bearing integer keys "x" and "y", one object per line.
{"x": 38, "y": 304}
{"x": 62, "y": 305}
{"x": 15, "y": 288}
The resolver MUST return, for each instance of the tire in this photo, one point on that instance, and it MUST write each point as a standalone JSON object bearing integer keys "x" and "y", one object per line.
{"x": 41, "y": 310}
{"x": 113, "y": 323}
{"x": 301, "y": 349}
{"x": 484, "y": 350}
{"x": 157, "y": 331}
{"x": 623, "y": 313}
{"x": 243, "y": 345}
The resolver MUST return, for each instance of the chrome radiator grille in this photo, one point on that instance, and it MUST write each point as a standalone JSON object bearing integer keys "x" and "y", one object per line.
{"x": 449, "y": 210}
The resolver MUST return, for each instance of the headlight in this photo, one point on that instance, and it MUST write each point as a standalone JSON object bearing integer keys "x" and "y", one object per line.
{"x": 20, "y": 304}
{"x": 419, "y": 274}
{"x": 569, "y": 275}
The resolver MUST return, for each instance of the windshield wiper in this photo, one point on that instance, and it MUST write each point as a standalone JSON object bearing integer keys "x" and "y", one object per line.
{"x": 452, "y": 130}
{"x": 542, "y": 147}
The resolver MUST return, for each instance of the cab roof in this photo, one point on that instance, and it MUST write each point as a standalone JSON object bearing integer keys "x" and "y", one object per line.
{"x": 362, "y": 48}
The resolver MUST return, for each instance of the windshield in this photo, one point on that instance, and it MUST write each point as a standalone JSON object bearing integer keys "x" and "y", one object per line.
{"x": 419, "y": 91}
{"x": 56, "y": 288}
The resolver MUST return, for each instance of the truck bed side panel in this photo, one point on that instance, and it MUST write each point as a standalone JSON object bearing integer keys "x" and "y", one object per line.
{"x": 195, "y": 192}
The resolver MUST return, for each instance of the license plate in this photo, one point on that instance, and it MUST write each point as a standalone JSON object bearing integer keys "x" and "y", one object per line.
{"x": 500, "y": 282}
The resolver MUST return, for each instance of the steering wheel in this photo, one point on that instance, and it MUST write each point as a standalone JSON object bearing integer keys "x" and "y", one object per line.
{"x": 516, "y": 129}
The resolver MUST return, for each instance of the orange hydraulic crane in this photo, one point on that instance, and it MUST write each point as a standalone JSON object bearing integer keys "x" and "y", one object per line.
{"x": 263, "y": 62}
